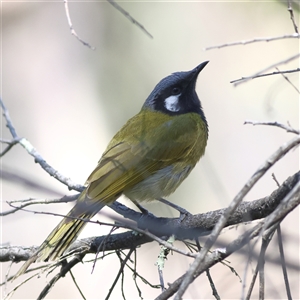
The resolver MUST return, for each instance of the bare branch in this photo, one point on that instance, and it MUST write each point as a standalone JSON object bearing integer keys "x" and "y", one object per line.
{"x": 269, "y": 74}
{"x": 290, "y": 10}
{"x": 66, "y": 267}
{"x": 8, "y": 296}
{"x": 129, "y": 240}
{"x": 122, "y": 224}
{"x": 287, "y": 79}
{"x": 247, "y": 78}
{"x": 259, "y": 266}
{"x": 277, "y": 124}
{"x": 255, "y": 40}
{"x": 28, "y": 202}
{"x": 73, "y": 32}
{"x": 9, "y": 146}
{"x": 283, "y": 264}
{"x": 50, "y": 170}
{"x": 213, "y": 287}
{"x": 129, "y": 17}
{"x": 77, "y": 286}
{"x": 192, "y": 226}
{"x": 9, "y": 124}
{"x": 242, "y": 240}
{"x": 161, "y": 259}
{"x": 136, "y": 274}
{"x": 37, "y": 157}
{"x": 123, "y": 262}
{"x": 189, "y": 276}
{"x": 275, "y": 179}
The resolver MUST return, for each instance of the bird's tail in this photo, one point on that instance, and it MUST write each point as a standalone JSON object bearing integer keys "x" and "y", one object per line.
{"x": 63, "y": 234}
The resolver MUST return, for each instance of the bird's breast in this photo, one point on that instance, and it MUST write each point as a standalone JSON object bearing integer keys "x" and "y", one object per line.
{"x": 160, "y": 184}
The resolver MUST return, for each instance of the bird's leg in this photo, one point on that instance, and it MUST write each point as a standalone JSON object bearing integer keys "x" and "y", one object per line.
{"x": 140, "y": 207}
{"x": 183, "y": 212}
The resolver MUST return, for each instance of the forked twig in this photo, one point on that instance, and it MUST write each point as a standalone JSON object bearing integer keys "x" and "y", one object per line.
{"x": 288, "y": 128}
{"x": 257, "y": 74}
{"x": 287, "y": 79}
{"x": 120, "y": 272}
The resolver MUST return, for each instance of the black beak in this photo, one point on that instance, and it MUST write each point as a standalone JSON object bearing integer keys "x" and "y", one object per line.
{"x": 199, "y": 68}
{"x": 193, "y": 74}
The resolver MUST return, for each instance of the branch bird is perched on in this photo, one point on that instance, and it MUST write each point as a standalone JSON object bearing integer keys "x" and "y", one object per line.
{"x": 147, "y": 159}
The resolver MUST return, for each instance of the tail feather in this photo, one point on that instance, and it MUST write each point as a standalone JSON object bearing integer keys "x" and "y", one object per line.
{"x": 61, "y": 237}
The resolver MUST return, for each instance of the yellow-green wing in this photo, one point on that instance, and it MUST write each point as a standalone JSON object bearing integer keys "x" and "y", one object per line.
{"x": 138, "y": 151}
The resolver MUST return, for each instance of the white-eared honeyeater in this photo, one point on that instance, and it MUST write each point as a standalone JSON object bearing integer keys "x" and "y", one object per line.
{"x": 147, "y": 159}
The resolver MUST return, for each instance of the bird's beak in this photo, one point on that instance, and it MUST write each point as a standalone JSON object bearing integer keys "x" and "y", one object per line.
{"x": 193, "y": 74}
{"x": 199, "y": 68}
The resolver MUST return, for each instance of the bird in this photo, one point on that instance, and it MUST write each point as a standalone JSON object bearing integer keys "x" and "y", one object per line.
{"x": 147, "y": 159}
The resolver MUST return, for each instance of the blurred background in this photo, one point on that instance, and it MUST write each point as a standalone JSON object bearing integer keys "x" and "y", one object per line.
{"x": 69, "y": 100}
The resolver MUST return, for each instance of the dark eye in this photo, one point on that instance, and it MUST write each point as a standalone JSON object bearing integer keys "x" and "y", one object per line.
{"x": 176, "y": 90}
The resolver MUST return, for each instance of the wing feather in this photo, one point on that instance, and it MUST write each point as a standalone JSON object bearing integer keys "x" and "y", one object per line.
{"x": 127, "y": 161}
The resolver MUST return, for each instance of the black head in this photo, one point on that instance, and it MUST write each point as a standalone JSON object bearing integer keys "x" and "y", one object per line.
{"x": 176, "y": 94}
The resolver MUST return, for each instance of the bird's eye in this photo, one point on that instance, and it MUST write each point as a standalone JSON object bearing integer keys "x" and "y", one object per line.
{"x": 176, "y": 90}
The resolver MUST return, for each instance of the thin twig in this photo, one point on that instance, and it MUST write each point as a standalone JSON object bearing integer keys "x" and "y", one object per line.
{"x": 9, "y": 295}
{"x": 121, "y": 271}
{"x": 9, "y": 146}
{"x": 6, "y": 278}
{"x": 293, "y": 195}
{"x": 275, "y": 179}
{"x": 290, "y": 10}
{"x": 207, "y": 271}
{"x": 122, "y": 275}
{"x": 51, "y": 171}
{"x": 272, "y": 218}
{"x": 28, "y": 202}
{"x": 77, "y": 286}
{"x": 287, "y": 79}
{"x": 125, "y": 225}
{"x": 5, "y": 141}
{"x": 270, "y": 74}
{"x": 37, "y": 157}
{"x": 129, "y": 17}
{"x": 73, "y": 32}
{"x": 102, "y": 246}
{"x": 277, "y": 124}
{"x": 255, "y": 40}
{"x": 261, "y": 261}
{"x": 135, "y": 273}
{"x": 144, "y": 280}
{"x": 161, "y": 259}
{"x": 255, "y": 75}
{"x": 161, "y": 279}
{"x": 250, "y": 289}
{"x": 160, "y": 241}
{"x": 212, "y": 285}
{"x": 64, "y": 270}
{"x": 283, "y": 264}
{"x": 9, "y": 124}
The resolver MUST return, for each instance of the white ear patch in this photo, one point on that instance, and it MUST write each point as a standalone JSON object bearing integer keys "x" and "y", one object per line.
{"x": 172, "y": 103}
